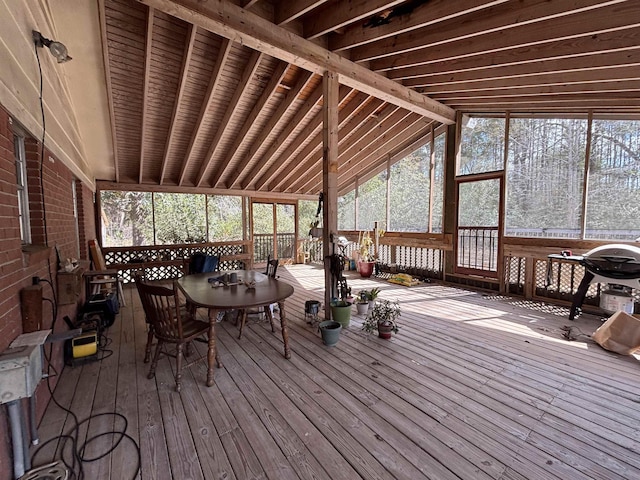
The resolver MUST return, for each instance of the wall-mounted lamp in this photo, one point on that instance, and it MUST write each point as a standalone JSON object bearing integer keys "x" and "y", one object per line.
{"x": 57, "y": 49}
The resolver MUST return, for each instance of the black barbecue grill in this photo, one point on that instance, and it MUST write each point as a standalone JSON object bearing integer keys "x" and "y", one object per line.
{"x": 616, "y": 263}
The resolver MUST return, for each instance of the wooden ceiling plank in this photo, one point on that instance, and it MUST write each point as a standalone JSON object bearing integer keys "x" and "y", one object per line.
{"x": 541, "y": 69}
{"x": 223, "y": 54}
{"x": 110, "y": 97}
{"x": 336, "y": 15}
{"x": 499, "y": 18}
{"x": 398, "y": 133}
{"x": 298, "y": 118}
{"x": 188, "y": 50}
{"x": 368, "y": 134}
{"x": 426, "y": 14}
{"x": 284, "y": 166}
{"x": 145, "y": 90}
{"x": 274, "y": 120}
{"x": 585, "y": 47}
{"x": 269, "y": 90}
{"x": 230, "y": 21}
{"x": 566, "y": 29}
{"x": 288, "y": 11}
{"x": 344, "y": 135}
{"x": 243, "y": 84}
{"x": 401, "y": 151}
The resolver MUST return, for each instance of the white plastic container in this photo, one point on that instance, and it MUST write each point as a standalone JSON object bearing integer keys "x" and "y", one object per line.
{"x": 612, "y": 301}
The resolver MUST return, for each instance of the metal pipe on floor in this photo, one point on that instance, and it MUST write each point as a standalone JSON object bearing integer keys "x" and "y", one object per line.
{"x": 33, "y": 422}
{"x": 14, "y": 409}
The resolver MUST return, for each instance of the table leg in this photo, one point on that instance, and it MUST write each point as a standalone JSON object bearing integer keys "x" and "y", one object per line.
{"x": 212, "y": 354}
{"x": 285, "y": 330}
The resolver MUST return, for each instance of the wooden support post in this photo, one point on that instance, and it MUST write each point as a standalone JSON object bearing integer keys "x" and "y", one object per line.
{"x": 450, "y": 195}
{"x": 329, "y": 178}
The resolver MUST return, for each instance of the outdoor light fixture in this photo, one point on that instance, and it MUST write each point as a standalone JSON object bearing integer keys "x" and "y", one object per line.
{"x": 57, "y": 49}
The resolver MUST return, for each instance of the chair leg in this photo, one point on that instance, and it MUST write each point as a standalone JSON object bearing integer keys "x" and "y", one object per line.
{"x": 243, "y": 320}
{"x": 267, "y": 312}
{"x": 154, "y": 364}
{"x": 147, "y": 351}
{"x": 121, "y": 293}
{"x": 179, "y": 348}
{"x": 212, "y": 354}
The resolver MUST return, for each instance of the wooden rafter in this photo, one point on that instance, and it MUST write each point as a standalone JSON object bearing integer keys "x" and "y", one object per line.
{"x": 267, "y": 93}
{"x": 225, "y": 49}
{"x": 230, "y": 21}
{"x": 145, "y": 92}
{"x": 288, "y": 11}
{"x": 498, "y": 18}
{"x": 564, "y": 28}
{"x": 273, "y": 122}
{"x": 177, "y": 103}
{"x": 110, "y": 98}
{"x": 367, "y": 147}
{"x": 338, "y": 14}
{"x": 349, "y": 130}
{"x": 423, "y": 15}
{"x": 285, "y": 167}
{"x": 241, "y": 88}
{"x": 532, "y": 72}
{"x": 299, "y": 118}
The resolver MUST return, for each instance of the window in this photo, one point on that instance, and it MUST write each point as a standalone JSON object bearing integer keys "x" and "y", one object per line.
{"x": 409, "y": 193}
{"x": 347, "y": 211}
{"x": 23, "y": 194}
{"x": 224, "y": 218}
{"x": 372, "y": 206}
{"x": 482, "y": 145}
{"x": 545, "y": 175}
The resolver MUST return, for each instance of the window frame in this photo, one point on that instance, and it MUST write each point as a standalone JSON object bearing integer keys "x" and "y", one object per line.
{"x": 24, "y": 216}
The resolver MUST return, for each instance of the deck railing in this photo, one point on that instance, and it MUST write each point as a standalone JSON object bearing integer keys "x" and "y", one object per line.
{"x": 161, "y": 262}
{"x": 263, "y": 246}
{"x": 478, "y": 248}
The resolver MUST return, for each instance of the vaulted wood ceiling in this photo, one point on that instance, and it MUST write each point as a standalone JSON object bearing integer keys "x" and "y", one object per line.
{"x": 219, "y": 94}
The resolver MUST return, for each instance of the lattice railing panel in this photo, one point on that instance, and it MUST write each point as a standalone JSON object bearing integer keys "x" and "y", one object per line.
{"x": 514, "y": 274}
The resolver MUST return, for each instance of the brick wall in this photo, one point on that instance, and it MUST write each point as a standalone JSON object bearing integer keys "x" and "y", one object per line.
{"x": 52, "y": 222}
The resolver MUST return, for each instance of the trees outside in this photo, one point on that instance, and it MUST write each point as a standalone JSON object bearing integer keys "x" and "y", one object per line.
{"x": 372, "y": 202}
{"x": 224, "y": 218}
{"x": 127, "y": 218}
{"x": 482, "y": 146}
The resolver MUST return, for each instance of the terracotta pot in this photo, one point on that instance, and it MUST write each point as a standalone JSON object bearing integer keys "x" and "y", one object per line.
{"x": 366, "y": 269}
{"x": 385, "y": 331}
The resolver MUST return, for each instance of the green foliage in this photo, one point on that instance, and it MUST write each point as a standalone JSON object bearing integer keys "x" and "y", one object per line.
{"x": 385, "y": 312}
{"x": 225, "y": 217}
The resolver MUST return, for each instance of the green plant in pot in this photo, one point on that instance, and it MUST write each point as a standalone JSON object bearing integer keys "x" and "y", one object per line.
{"x": 372, "y": 296}
{"x": 362, "y": 302}
{"x": 383, "y": 319}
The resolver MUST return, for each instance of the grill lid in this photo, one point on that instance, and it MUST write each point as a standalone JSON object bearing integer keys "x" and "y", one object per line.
{"x": 615, "y": 260}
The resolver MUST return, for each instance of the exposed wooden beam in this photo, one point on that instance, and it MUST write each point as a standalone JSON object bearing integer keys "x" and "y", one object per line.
{"x": 223, "y": 54}
{"x": 367, "y": 134}
{"x": 272, "y": 123}
{"x": 428, "y": 13}
{"x": 355, "y": 127}
{"x": 373, "y": 160}
{"x": 286, "y": 166}
{"x": 136, "y": 187}
{"x": 338, "y": 14}
{"x": 269, "y": 90}
{"x": 289, "y": 10}
{"x": 409, "y": 126}
{"x": 148, "y": 43}
{"x": 499, "y": 18}
{"x": 241, "y": 89}
{"x": 400, "y": 152}
{"x": 188, "y": 50}
{"x": 330, "y": 94}
{"x": 569, "y": 28}
{"x": 299, "y": 118}
{"x": 603, "y": 44}
{"x": 107, "y": 79}
{"x": 231, "y": 21}
{"x": 532, "y": 72}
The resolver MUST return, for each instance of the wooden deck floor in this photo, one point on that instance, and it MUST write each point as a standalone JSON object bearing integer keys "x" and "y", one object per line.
{"x": 472, "y": 387}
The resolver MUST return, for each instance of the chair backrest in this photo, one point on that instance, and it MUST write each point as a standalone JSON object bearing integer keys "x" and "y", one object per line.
{"x": 96, "y": 256}
{"x": 161, "y": 307}
{"x": 272, "y": 267}
{"x": 202, "y": 263}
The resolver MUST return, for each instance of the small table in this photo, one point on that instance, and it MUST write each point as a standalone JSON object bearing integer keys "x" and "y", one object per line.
{"x": 201, "y": 293}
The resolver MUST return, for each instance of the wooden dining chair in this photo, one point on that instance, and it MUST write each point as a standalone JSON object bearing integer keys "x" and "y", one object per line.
{"x": 272, "y": 268}
{"x": 101, "y": 279}
{"x": 171, "y": 325}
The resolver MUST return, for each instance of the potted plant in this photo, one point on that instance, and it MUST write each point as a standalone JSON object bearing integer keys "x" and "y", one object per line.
{"x": 383, "y": 319}
{"x": 341, "y": 312}
{"x": 372, "y": 295}
{"x": 365, "y": 258}
{"x": 362, "y": 302}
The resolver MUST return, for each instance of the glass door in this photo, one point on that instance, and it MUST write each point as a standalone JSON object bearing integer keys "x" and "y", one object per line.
{"x": 274, "y": 231}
